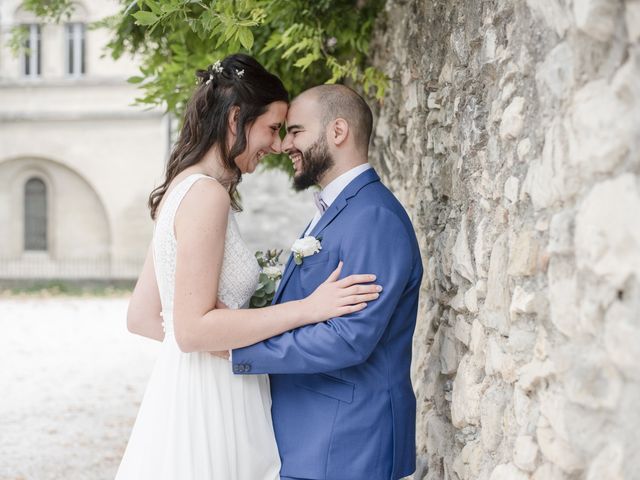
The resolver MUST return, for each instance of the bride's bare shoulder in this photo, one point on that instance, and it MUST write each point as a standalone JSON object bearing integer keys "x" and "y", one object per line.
{"x": 206, "y": 202}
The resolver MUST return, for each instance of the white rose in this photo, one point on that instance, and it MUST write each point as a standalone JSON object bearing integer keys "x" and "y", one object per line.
{"x": 272, "y": 271}
{"x": 307, "y": 246}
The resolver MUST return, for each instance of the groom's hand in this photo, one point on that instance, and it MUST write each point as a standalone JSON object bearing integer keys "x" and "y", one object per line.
{"x": 224, "y": 353}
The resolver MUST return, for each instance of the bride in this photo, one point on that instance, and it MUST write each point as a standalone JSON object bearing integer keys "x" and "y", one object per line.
{"x": 197, "y": 420}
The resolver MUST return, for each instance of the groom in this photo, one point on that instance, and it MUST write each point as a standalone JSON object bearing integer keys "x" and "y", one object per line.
{"x": 343, "y": 405}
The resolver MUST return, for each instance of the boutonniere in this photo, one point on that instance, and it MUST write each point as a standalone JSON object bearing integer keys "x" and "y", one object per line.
{"x": 305, "y": 247}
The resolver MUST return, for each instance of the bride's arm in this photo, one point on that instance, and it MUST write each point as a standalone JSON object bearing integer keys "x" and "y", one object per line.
{"x": 200, "y": 225}
{"x": 143, "y": 314}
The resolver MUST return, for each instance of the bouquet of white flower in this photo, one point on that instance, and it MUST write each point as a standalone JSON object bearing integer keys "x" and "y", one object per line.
{"x": 271, "y": 273}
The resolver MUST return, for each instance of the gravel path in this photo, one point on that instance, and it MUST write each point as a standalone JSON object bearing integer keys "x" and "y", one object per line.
{"x": 71, "y": 380}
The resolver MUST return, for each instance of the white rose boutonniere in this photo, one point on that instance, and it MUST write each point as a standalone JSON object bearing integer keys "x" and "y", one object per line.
{"x": 305, "y": 247}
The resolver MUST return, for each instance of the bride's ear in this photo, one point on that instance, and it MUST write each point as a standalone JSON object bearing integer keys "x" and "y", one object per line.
{"x": 232, "y": 121}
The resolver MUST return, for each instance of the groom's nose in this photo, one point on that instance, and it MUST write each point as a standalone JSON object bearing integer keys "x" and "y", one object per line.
{"x": 287, "y": 143}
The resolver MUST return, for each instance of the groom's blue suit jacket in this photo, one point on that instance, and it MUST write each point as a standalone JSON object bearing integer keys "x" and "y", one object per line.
{"x": 343, "y": 405}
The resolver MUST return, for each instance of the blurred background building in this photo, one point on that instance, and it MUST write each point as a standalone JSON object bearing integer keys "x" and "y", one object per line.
{"x": 77, "y": 161}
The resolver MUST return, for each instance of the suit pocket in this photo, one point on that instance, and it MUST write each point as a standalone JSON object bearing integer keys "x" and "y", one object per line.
{"x": 315, "y": 270}
{"x": 318, "y": 258}
{"x": 328, "y": 386}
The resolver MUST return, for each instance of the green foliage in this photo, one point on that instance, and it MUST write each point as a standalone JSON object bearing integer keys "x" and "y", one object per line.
{"x": 18, "y": 39}
{"x": 51, "y": 9}
{"x": 269, "y": 262}
{"x": 303, "y": 42}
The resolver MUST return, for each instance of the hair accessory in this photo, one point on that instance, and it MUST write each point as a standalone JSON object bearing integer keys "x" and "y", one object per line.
{"x": 240, "y": 73}
{"x": 217, "y": 67}
{"x": 210, "y": 78}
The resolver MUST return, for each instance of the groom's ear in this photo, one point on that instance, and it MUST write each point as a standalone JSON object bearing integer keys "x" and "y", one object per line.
{"x": 339, "y": 131}
{"x": 232, "y": 121}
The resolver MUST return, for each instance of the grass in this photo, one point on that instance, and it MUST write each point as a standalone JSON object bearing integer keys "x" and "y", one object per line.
{"x": 65, "y": 288}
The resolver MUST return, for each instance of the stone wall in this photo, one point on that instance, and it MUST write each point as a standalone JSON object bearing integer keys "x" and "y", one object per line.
{"x": 511, "y": 132}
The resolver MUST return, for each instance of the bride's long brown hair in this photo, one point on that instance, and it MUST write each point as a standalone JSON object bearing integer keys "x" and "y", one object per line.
{"x": 237, "y": 81}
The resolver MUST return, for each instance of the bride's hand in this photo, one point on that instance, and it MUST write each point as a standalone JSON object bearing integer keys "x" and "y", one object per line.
{"x": 334, "y": 298}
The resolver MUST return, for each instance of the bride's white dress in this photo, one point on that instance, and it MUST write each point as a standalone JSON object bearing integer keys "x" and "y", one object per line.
{"x": 199, "y": 421}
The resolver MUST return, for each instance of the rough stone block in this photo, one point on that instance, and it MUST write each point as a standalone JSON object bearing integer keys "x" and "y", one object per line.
{"x": 549, "y": 471}
{"x": 607, "y": 237}
{"x": 632, "y": 19}
{"x": 508, "y": 472}
{"x": 462, "y": 330}
{"x": 523, "y": 302}
{"x": 495, "y": 313}
{"x": 561, "y": 232}
{"x": 622, "y": 336}
{"x": 462, "y": 262}
{"x": 467, "y": 389}
{"x": 593, "y": 382}
{"x": 492, "y": 406}
{"x": 532, "y": 373}
{"x": 523, "y": 255}
{"x": 556, "y": 73}
{"x": 596, "y": 18}
{"x": 553, "y": 13}
{"x": 558, "y": 451}
{"x": 512, "y": 121}
{"x": 511, "y": 189}
{"x": 525, "y": 453}
{"x": 608, "y": 464}
{"x": 471, "y": 300}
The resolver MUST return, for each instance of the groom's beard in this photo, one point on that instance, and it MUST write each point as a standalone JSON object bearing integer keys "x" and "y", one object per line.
{"x": 315, "y": 162}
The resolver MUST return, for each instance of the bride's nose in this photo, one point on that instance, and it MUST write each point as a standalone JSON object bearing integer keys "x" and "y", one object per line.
{"x": 276, "y": 146}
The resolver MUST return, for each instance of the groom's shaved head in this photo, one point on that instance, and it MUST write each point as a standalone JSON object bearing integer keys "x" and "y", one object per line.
{"x": 338, "y": 101}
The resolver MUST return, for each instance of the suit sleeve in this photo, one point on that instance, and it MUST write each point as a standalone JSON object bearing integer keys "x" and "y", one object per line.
{"x": 377, "y": 242}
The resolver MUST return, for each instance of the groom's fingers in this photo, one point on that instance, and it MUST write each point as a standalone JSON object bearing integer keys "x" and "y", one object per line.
{"x": 335, "y": 274}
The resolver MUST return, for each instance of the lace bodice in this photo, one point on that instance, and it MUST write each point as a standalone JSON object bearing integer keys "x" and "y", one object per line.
{"x": 240, "y": 269}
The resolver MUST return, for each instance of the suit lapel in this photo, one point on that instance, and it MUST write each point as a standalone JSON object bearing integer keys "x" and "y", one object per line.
{"x": 287, "y": 271}
{"x": 336, "y": 207}
{"x": 342, "y": 200}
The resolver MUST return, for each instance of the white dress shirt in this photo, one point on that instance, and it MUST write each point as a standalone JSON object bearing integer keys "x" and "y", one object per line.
{"x": 335, "y": 188}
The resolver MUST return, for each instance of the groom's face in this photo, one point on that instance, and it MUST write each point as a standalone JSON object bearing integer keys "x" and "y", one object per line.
{"x": 306, "y": 144}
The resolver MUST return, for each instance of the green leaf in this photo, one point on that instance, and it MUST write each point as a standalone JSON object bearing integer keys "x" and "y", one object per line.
{"x": 246, "y": 38}
{"x": 307, "y": 60}
{"x": 135, "y": 79}
{"x": 144, "y": 18}
{"x": 270, "y": 287}
{"x": 259, "y": 302}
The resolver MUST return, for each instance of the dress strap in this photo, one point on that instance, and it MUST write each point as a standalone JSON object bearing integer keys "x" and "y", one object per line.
{"x": 177, "y": 194}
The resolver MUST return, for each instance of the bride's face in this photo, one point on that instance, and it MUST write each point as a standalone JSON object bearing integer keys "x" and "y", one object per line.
{"x": 263, "y": 137}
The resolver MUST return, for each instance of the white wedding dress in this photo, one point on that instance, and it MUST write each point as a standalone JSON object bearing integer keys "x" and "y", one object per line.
{"x": 199, "y": 421}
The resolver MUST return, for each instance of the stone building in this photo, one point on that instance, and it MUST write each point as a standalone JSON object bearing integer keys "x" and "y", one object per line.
{"x": 512, "y": 133}
{"x": 77, "y": 161}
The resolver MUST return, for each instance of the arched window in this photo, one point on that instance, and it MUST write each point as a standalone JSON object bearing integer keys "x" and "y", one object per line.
{"x": 35, "y": 215}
